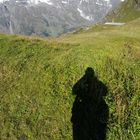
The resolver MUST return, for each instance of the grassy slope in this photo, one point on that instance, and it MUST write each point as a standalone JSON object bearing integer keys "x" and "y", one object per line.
{"x": 37, "y": 75}
{"x": 129, "y": 10}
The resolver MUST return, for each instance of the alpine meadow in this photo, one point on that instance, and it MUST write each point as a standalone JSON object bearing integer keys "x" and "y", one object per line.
{"x": 37, "y": 75}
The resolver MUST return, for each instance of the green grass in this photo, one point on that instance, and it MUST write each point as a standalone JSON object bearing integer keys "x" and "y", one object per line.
{"x": 37, "y": 75}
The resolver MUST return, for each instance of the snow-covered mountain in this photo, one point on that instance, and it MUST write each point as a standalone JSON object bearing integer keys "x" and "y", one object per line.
{"x": 50, "y": 17}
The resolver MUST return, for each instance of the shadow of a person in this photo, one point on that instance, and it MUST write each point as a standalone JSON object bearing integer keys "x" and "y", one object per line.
{"x": 90, "y": 111}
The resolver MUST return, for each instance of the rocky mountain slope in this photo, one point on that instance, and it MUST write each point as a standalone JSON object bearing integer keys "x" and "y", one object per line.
{"x": 50, "y": 17}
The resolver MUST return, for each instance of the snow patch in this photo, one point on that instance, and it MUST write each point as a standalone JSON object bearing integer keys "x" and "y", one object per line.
{"x": 83, "y": 15}
{"x": 98, "y": 3}
{"x": 1, "y": 1}
{"x": 64, "y": 2}
{"x": 115, "y": 23}
{"x": 41, "y": 1}
{"x": 49, "y": 2}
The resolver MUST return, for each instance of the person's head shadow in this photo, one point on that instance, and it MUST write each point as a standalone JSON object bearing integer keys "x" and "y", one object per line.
{"x": 90, "y": 111}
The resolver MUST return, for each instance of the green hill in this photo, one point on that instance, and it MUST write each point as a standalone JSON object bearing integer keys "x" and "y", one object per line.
{"x": 37, "y": 75}
{"x": 128, "y": 10}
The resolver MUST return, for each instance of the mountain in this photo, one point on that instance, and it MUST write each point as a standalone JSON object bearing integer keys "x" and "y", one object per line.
{"x": 50, "y": 17}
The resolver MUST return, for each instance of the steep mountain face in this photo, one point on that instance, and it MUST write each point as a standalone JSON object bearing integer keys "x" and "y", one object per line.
{"x": 50, "y": 17}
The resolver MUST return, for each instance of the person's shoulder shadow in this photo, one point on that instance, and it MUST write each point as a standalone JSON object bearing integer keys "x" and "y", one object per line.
{"x": 89, "y": 112}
